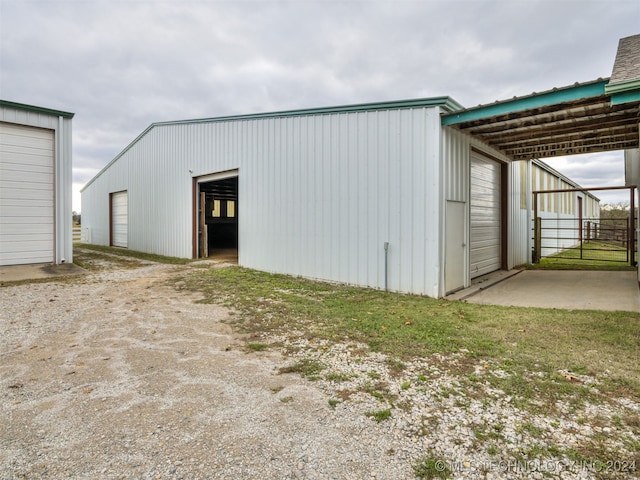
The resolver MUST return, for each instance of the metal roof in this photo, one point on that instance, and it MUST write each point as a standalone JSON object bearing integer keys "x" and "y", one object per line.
{"x": 597, "y": 116}
{"x": 564, "y": 121}
{"x": 33, "y": 108}
{"x": 445, "y": 103}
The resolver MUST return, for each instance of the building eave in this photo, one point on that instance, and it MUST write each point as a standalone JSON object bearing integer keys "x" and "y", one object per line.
{"x": 445, "y": 103}
{"x": 527, "y": 102}
{"x": 624, "y": 92}
{"x": 35, "y": 109}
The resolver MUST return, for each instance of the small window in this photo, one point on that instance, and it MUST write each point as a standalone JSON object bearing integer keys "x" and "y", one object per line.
{"x": 231, "y": 208}
{"x": 215, "y": 211}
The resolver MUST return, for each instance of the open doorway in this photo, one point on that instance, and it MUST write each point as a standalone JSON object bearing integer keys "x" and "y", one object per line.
{"x": 217, "y": 219}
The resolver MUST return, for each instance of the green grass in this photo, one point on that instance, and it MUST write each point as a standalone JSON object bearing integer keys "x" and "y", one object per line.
{"x": 516, "y": 340}
{"x": 257, "y": 347}
{"x": 338, "y": 377}
{"x": 429, "y": 468}
{"x": 596, "y": 256}
{"x": 306, "y": 367}
{"x": 380, "y": 415}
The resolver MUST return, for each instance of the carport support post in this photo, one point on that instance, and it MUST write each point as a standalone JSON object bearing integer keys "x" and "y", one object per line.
{"x": 632, "y": 226}
{"x": 537, "y": 231}
{"x": 538, "y": 240}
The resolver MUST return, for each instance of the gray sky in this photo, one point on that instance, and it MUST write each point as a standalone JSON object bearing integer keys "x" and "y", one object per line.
{"x": 121, "y": 65}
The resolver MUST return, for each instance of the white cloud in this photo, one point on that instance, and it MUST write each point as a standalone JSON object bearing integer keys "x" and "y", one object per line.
{"x": 123, "y": 65}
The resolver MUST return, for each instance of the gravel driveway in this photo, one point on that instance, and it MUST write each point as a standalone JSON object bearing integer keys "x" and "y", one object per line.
{"x": 121, "y": 377}
{"x": 118, "y": 374}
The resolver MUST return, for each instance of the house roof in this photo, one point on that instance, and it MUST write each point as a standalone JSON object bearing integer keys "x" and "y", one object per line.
{"x": 627, "y": 64}
{"x": 624, "y": 86}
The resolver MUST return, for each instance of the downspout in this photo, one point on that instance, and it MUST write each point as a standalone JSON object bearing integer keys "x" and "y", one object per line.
{"x": 386, "y": 266}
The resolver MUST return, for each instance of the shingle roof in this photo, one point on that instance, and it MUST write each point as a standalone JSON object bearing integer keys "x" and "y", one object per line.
{"x": 627, "y": 65}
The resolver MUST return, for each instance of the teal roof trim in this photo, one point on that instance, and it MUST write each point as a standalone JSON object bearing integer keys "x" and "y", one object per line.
{"x": 625, "y": 97}
{"x": 447, "y": 104}
{"x": 33, "y": 108}
{"x": 536, "y": 100}
{"x": 624, "y": 92}
{"x": 619, "y": 87}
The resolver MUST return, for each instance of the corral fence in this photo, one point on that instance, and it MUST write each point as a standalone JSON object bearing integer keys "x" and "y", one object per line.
{"x": 575, "y": 236}
{"x": 77, "y": 233}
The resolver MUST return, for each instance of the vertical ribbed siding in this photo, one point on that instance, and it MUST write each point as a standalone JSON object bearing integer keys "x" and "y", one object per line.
{"x": 560, "y": 208}
{"x": 318, "y": 194}
{"x": 519, "y": 229}
{"x": 456, "y": 153}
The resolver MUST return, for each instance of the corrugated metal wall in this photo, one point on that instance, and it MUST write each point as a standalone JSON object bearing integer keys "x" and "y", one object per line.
{"x": 561, "y": 207}
{"x": 318, "y": 194}
{"x": 63, "y": 169}
{"x": 456, "y": 167}
{"x": 519, "y": 214}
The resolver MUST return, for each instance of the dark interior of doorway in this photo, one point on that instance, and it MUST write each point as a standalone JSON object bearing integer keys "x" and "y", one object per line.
{"x": 221, "y": 217}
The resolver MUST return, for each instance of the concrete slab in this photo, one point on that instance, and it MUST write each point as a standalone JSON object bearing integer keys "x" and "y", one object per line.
{"x": 573, "y": 290}
{"x": 480, "y": 283}
{"x": 18, "y": 273}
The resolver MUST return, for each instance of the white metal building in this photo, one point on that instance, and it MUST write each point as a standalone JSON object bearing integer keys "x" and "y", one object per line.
{"x": 35, "y": 185}
{"x": 317, "y": 193}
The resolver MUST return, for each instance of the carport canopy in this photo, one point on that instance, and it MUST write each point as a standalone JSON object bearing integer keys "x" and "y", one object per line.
{"x": 597, "y": 116}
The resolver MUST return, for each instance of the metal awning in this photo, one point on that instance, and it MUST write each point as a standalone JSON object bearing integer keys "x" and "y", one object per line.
{"x": 598, "y": 116}
{"x": 565, "y": 121}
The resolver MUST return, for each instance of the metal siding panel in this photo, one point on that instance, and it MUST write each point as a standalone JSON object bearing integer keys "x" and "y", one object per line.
{"x": 518, "y": 229}
{"x": 382, "y": 214}
{"x": 395, "y": 187}
{"x": 371, "y": 246}
{"x": 433, "y": 221}
{"x": 405, "y": 204}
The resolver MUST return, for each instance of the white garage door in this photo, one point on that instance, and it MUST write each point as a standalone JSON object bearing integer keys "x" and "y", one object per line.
{"x": 119, "y": 219}
{"x": 26, "y": 195}
{"x": 485, "y": 216}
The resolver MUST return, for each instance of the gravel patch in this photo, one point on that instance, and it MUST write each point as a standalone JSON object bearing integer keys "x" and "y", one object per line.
{"x": 119, "y": 375}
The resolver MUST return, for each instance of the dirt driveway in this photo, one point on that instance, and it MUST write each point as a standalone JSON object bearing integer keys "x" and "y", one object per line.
{"x": 118, "y": 375}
